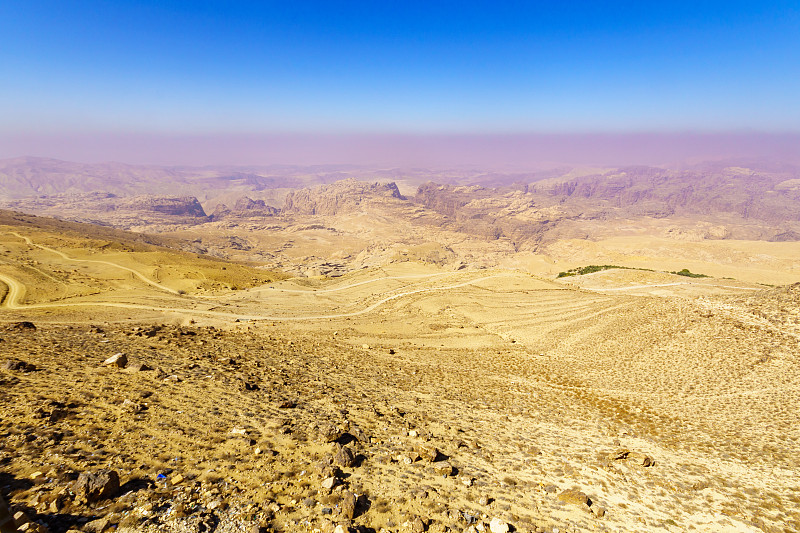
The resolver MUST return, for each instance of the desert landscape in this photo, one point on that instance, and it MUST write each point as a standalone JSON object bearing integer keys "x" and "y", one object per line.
{"x": 399, "y": 267}
{"x": 355, "y": 356}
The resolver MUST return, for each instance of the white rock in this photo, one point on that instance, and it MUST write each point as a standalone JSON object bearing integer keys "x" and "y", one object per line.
{"x": 118, "y": 359}
{"x": 329, "y": 483}
{"x": 498, "y": 526}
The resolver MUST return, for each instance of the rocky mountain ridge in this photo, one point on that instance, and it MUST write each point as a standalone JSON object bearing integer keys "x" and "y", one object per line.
{"x": 342, "y": 196}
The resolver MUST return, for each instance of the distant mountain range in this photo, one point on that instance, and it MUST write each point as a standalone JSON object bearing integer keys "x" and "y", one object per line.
{"x": 472, "y": 200}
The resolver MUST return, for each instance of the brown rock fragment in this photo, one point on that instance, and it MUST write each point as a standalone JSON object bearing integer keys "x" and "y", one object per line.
{"x": 443, "y": 468}
{"x": 16, "y": 365}
{"x": 344, "y": 457}
{"x": 347, "y": 505}
{"x": 618, "y": 455}
{"x": 428, "y": 452}
{"x": 96, "y": 526}
{"x": 575, "y": 497}
{"x": 96, "y": 486}
{"x": 329, "y": 433}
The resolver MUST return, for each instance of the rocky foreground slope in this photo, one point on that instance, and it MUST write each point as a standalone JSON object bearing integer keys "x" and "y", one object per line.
{"x": 154, "y": 427}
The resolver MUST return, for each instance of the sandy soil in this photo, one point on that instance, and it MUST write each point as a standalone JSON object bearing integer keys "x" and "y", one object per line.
{"x": 527, "y": 386}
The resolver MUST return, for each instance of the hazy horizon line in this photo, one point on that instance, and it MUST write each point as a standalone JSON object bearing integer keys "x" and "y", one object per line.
{"x": 533, "y": 150}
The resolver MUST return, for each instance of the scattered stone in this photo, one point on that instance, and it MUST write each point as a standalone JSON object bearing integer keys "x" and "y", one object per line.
{"x": 327, "y": 469}
{"x": 137, "y": 368}
{"x": 95, "y": 486}
{"x": 418, "y": 525}
{"x": 329, "y": 433}
{"x": 120, "y": 360}
{"x": 550, "y": 489}
{"x": 340, "y": 529}
{"x": 347, "y": 505}
{"x": 15, "y": 365}
{"x": 443, "y": 468}
{"x": 498, "y": 526}
{"x": 24, "y": 325}
{"x": 176, "y": 479}
{"x": 250, "y": 386}
{"x": 20, "y": 518}
{"x": 241, "y": 432}
{"x": 598, "y": 511}
{"x": 131, "y": 406}
{"x": 365, "y": 346}
{"x": 618, "y": 455}
{"x": 328, "y": 483}
{"x": 428, "y": 452}
{"x": 639, "y": 458}
{"x": 467, "y": 481}
{"x": 413, "y": 433}
{"x": 575, "y": 497}
{"x": 287, "y": 404}
{"x": 344, "y": 457}
{"x": 96, "y": 526}
{"x": 33, "y": 527}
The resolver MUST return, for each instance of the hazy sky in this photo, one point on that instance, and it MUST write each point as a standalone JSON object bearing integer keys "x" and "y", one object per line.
{"x": 119, "y": 69}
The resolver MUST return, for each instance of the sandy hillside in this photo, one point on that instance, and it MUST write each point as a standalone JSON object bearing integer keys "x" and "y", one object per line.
{"x": 409, "y": 397}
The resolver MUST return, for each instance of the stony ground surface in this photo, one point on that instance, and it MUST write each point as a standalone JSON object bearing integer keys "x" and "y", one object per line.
{"x": 257, "y": 426}
{"x": 402, "y": 398}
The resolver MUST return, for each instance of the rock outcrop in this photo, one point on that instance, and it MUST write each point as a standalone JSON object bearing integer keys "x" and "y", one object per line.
{"x": 244, "y": 208}
{"x": 340, "y": 197}
{"x": 186, "y": 206}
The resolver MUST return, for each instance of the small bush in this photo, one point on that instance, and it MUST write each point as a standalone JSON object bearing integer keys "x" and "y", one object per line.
{"x": 685, "y": 272}
{"x": 580, "y": 271}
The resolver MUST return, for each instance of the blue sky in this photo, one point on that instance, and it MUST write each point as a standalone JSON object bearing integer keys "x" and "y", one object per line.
{"x": 124, "y": 79}
{"x": 427, "y": 67}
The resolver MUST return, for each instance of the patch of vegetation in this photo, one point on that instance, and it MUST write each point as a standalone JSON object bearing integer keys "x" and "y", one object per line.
{"x": 580, "y": 271}
{"x": 685, "y": 272}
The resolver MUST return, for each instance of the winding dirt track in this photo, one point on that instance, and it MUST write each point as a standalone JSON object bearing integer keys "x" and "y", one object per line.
{"x": 352, "y": 285}
{"x": 64, "y": 256}
{"x": 657, "y": 285}
{"x": 17, "y": 290}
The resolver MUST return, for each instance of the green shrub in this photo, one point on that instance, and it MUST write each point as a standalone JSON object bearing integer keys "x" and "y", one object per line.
{"x": 685, "y": 272}
{"x": 580, "y": 271}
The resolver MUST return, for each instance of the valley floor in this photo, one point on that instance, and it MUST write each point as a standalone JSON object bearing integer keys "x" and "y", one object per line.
{"x": 300, "y": 405}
